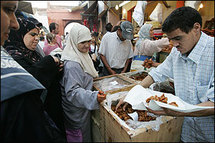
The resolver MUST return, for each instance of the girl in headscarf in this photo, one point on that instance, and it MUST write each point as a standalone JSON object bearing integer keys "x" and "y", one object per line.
{"x": 21, "y": 45}
{"x": 77, "y": 82}
{"x": 146, "y": 46}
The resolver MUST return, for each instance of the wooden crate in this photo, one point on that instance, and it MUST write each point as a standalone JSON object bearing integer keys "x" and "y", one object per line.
{"x": 110, "y": 129}
{"x": 135, "y": 73}
{"x": 127, "y": 82}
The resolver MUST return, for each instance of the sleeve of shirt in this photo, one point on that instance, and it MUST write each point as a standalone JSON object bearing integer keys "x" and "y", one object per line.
{"x": 102, "y": 46}
{"x": 164, "y": 70}
{"x": 75, "y": 93}
{"x": 131, "y": 54}
{"x": 210, "y": 92}
{"x": 150, "y": 47}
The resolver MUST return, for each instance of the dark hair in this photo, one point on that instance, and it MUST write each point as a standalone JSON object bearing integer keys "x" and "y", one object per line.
{"x": 108, "y": 27}
{"x": 95, "y": 34}
{"x": 115, "y": 28}
{"x": 182, "y": 18}
{"x": 52, "y": 26}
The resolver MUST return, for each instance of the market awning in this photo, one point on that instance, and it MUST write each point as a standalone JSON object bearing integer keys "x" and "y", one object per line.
{"x": 91, "y": 11}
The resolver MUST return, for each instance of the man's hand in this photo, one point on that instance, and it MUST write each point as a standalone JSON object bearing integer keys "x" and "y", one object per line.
{"x": 112, "y": 72}
{"x": 120, "y": 103}
{"x": 167, "y": 112}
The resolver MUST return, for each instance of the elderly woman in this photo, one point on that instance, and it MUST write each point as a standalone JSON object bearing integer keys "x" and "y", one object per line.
{"x": 145, "y": 46}
{"x": 22, "y": 47}
{"x": 77, "y": 82}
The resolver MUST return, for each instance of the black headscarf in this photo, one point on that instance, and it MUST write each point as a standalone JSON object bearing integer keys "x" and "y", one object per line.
{"x": 15, "y": 44}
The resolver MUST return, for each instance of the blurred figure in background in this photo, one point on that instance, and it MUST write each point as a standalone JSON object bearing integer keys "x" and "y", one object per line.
{"x": 116, "y": 50}
{"x": 54, "y": 29}
{"x": 145, "y": 46}
{"x": 48, "y": 48}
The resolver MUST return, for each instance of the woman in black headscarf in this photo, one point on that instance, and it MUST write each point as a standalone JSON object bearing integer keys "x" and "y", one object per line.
{"x": 21, "y": 45}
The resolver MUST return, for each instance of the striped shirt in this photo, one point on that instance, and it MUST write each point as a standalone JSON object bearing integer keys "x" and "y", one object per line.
{"x": 194, "y": 83}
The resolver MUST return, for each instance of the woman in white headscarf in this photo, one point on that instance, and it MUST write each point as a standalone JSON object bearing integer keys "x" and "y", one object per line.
{"x": 146, "y": 46}
{"x": 77, "y": 82}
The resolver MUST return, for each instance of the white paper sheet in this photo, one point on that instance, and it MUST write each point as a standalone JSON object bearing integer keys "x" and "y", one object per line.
{"x": 137, "y": 98}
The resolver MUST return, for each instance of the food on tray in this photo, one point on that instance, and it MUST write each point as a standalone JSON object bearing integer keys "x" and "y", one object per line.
{"x": 161, "y": 99}
{"x": 156, "y": 98}
{"x": 139, "y": 76}
{"x": 147, "y": 63}
{"x": 174, "y": 104}
{"x": 142, "y": 115}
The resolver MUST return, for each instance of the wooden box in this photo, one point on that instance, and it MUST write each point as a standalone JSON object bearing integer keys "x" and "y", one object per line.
{"x": 136, "y": 76}
{"x": 112, "y": 83}
{"x": 108, "y": 128}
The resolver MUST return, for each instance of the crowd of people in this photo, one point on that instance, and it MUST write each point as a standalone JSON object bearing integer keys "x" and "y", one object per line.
{"x": 46, "y": 92}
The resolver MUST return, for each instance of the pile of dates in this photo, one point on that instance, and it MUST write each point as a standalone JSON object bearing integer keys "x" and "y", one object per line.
{"x": 142, "y": 114}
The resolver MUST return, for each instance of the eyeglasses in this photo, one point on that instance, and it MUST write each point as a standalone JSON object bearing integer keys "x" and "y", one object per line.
{"x": 34, "y": 34}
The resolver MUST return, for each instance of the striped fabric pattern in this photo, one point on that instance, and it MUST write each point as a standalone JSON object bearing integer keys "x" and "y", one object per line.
{"x": 194, "y": 83}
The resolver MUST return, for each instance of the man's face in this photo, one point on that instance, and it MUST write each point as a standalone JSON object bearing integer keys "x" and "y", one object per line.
{"x": 8, "y": 18}
{"x": 56, "y": 31}
{"x": 119, "y": 33}
{"x": 185, "y": 42}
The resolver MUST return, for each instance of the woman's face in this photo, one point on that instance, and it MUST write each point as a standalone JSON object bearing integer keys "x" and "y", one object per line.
{"x": 8, "y": 18}
{"x": 151, "y": 33}
{"x": 31, "y": 39}
{"x": 84, "y": 47}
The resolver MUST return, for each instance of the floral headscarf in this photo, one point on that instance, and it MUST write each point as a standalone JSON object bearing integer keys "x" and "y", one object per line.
{"x": 15, "y": 44}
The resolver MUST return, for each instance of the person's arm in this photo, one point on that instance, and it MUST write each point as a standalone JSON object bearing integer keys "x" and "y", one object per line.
{"x": 126, "y": 66}
{"x": 147, "y": 81}
{"x": 73, "y": 82}
{"x": 149, "y": 47}
{"x": 44, "y": 71}
{"x": 169, "y": 112}
{"x": 104, "y": 60}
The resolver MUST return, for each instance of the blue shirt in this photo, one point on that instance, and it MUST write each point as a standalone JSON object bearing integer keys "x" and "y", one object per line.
{"x": 194, "y": 83}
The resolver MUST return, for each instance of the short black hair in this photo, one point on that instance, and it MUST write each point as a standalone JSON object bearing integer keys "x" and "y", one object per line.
{"x": 182, "y": 18}
{"x": 52, "y": 26}
{"x": 108, "y": 27}
{"x": 115, "y": 28}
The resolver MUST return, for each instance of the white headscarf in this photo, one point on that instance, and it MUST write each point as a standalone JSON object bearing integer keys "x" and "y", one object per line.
{"x": 79, "y": 33}
{"x": 144, "y": 33}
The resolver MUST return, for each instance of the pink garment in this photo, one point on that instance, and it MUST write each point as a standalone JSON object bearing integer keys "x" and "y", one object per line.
{"x": 48, "y": 48}
{"x": 74, "y": 135}
{"x": 59, "y": 43}
{"x": 58, "y": 39}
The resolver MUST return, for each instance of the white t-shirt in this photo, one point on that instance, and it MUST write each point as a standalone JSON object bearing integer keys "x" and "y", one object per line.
{"x": 115, "y": 50}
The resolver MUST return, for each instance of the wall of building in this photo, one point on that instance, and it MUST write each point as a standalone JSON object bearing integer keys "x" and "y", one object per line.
{"x": 62, "y": 17}
{"x": 207, "y": 12}
{"x": 113, "y": 16}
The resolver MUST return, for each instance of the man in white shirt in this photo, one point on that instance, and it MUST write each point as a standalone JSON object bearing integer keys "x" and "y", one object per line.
{"x": 116, "y": 49}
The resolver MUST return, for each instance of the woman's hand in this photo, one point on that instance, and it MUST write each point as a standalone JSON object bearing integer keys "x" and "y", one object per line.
{"x": 101, "y": 96}
{"x": 58, "y": 62}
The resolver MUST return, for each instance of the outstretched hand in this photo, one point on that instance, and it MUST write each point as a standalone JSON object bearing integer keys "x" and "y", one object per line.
{"x": 121, "y": 101}
{"x": 101, "y": 96}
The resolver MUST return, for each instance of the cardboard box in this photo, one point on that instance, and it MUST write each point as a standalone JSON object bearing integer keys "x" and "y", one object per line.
{"x": 112, "y": 83}
{"x": 108, "y": 128}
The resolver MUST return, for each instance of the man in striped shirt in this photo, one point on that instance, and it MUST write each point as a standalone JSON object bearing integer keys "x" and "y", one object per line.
{"x": 191, "y": 65}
